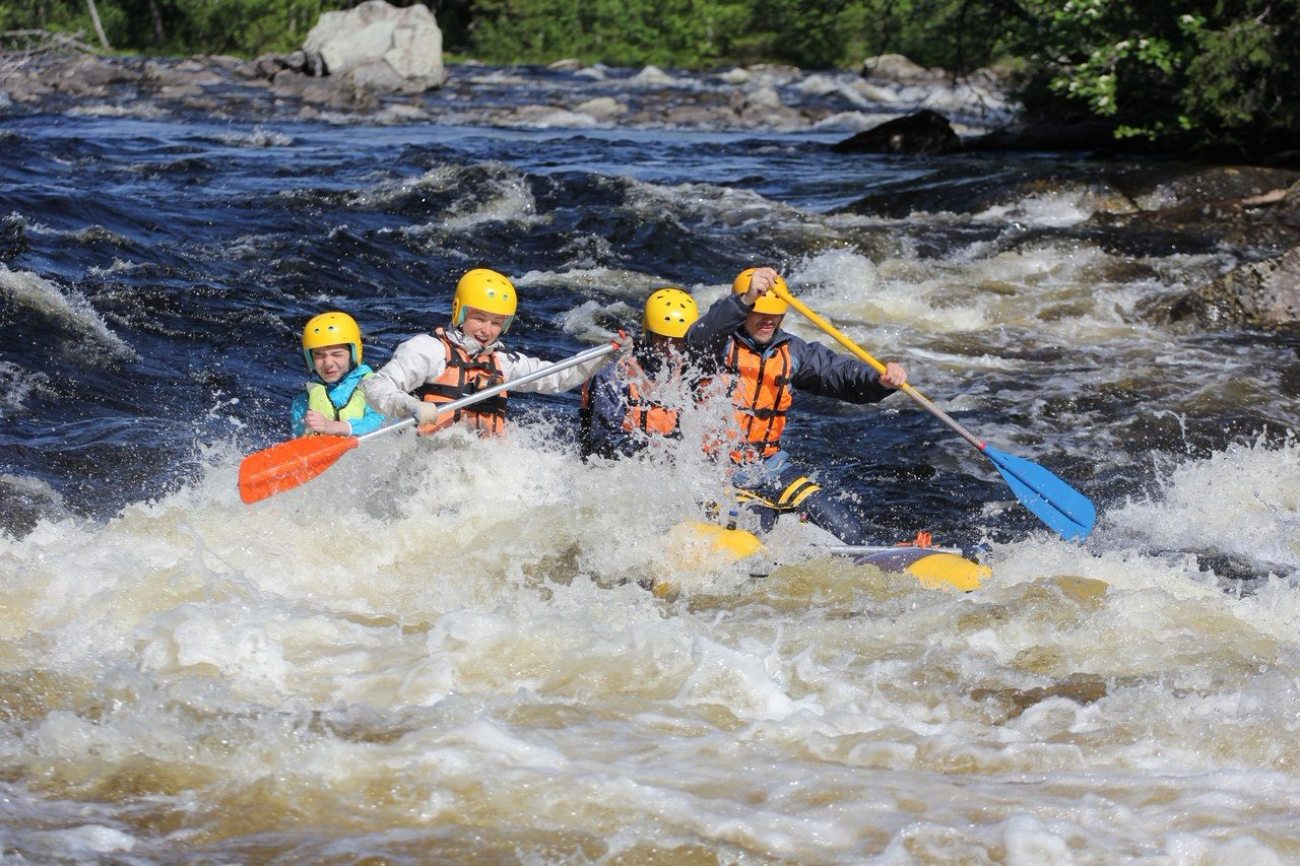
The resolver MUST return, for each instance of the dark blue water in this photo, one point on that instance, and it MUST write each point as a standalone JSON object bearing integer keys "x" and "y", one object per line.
{"x": 169, "y": 266}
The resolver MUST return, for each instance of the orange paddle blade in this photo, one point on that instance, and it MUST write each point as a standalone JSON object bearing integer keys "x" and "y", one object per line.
{"x": 283, "y": 467}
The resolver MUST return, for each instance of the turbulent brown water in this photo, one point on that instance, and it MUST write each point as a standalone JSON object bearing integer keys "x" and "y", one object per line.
{"x": 437, "y": 652}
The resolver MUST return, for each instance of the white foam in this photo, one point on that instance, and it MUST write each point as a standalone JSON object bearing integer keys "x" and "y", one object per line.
{"x": 456, "y": 623}
{"x": 16, "y": 386}
{"x": 258, "y": 137}
{"x": 85, "y": 840}
{"x": 1243, "y": 500}
{"x": 67, "y": 307}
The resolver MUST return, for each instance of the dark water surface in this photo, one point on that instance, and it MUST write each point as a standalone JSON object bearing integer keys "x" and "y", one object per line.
{"x": 166, "y": 645}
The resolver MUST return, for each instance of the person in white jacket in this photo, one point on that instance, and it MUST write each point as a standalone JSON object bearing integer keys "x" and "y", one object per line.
{"x": 449, "y": 363}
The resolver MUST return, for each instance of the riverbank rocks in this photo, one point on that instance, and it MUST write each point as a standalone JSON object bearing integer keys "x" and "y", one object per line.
{"x": 379, "y": 47}
{"x": 321, "y": 83}
{"x": 896, "y": 67}
{"x": 1200, "y": 209}
{"x": 1248, "y": 211}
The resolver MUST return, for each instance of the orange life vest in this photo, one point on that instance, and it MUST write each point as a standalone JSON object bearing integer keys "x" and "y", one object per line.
{"x": 465, "y": 375}
{"x": 649, "y": 416}
{"x": 759, "y": 386}
{"x": 643, "y": 413}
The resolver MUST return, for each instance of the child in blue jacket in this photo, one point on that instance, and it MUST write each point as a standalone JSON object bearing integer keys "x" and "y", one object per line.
{"x": 333, "y": 403}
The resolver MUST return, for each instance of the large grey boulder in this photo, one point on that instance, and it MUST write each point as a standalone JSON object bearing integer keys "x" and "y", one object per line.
{"x": 380, "y": 47}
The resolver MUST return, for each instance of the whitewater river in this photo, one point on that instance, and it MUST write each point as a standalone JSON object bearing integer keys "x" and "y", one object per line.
{"x": 438, "y": 651}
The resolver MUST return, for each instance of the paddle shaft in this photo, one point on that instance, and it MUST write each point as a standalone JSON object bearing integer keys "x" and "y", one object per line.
{"x": 1060, "y": 506}
{"x": 862, "y": 355}
{"x": 867, "y": 549}
{"x": 493, "y": 390}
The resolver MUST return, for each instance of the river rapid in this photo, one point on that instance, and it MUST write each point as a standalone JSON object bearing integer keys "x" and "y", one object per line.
{"x": 438, "y": 650}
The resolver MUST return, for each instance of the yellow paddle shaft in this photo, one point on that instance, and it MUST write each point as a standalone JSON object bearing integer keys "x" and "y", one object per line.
{"x": 862, "y": 355}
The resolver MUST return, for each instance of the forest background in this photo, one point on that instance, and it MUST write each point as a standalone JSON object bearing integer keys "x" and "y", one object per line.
{"x": 1217, "y": 77}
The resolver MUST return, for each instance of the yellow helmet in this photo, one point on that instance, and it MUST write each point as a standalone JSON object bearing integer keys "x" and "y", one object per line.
{"x": 331, "y": 329}
{"x": 669, "y": 312}
{"x": 484, "y": 290}
{"x": 768, "y": 302}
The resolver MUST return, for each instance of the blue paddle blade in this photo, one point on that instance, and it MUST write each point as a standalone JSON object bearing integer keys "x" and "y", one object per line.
{"x": 1060, "y": 506}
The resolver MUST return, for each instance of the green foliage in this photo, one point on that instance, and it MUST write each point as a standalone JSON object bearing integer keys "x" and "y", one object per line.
{"x": 809, "y": 33}
{"x": 618, "y": 32}
{"x": 1220, "y": 74}
{"x": 56, "y": 16}
{"x": 953, "y": 34}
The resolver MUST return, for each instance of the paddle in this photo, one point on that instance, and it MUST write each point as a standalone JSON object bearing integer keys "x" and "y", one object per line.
{"x": 1057, "y": 504}
{"x": 286, "y": 465}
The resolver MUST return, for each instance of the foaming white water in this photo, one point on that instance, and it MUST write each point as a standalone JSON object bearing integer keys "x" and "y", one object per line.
{"x": 1064, "y": 208}
{"x": 450, "y": 633}
{"x": 497, "y": 193}
{"x": 707, "y": 203}
{"x": 257, "y": 137}
{"x": 16, "y": 385}
{"x": 1000, "y": 298}
{"x": 847, "y": 286}
{"x": 509, "y": 200}
{"x": 1244, "y": 500}
{"x": 66, "y": 307}
{"x": 549, "y": 117}
{"x": 631, "y": 285}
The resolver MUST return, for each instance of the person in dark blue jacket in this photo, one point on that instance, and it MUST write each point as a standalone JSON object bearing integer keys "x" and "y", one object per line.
{"x": 760, "y": 366}
{"x": 639, "y": 399}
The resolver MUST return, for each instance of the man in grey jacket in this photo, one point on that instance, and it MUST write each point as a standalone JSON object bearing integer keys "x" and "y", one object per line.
{"x": 760, "y": 366}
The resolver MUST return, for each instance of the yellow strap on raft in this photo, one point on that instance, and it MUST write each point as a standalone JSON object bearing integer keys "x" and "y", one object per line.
{"x": 790, "y": 499}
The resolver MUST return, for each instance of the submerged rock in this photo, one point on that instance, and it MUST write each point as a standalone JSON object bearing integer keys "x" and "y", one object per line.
{"x": 1258, "y": 294}
{"x": 896, "y": 67}
{"x": 925, "y": 132}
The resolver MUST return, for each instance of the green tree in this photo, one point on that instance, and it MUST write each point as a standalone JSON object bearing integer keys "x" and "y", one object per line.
{"x": 1207, "y": 74}
{"x": 619, "y": 32}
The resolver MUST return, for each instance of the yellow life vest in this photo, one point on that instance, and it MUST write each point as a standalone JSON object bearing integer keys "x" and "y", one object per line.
{"x": 318, "y": 398}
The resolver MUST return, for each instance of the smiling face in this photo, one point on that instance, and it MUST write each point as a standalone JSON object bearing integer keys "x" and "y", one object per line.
{"x": 332, "y": 362}
{"x": 761, "y": 327}
{"x": 482, "y": 326}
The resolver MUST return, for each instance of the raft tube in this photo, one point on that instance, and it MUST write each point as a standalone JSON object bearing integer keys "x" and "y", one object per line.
{"x": 934, "y": 567}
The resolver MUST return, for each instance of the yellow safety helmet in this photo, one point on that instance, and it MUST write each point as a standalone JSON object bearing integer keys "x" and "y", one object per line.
{"x": 768, "y": 302}
{"x": 331, "y": 329}
{"x": 669, "y": 312}
{"x": 484, "y": 290}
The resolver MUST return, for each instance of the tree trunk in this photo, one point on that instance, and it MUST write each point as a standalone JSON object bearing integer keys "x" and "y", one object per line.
{"x": 157, "y": 24}
{"x": 99, "y": 28}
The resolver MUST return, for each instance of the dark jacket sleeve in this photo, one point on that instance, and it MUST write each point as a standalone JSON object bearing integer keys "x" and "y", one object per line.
{"x": 818, "y": 370}
{"x": 604, "y": 433}
{"x": 706, "y": 339}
